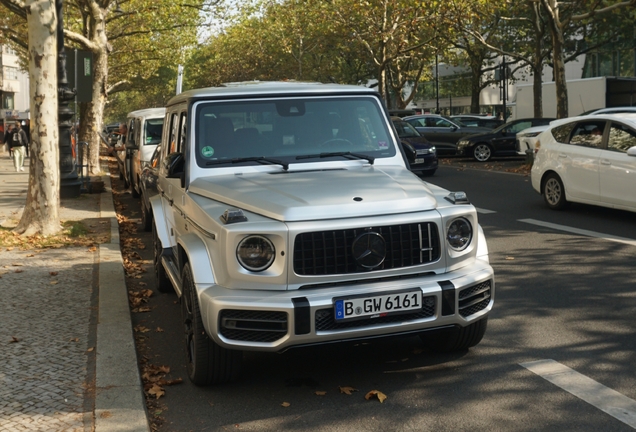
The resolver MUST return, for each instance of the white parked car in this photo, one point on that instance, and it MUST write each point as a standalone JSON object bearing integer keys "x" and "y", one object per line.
{"x": 527, "y": 139}
{"x": 145, "y": 128}
{"x": 590, "y": 160}
{"x": 286, "y": 216}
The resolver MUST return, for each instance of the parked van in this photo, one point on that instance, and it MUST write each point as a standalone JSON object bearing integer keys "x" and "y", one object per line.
{"x": 144, "y": 134}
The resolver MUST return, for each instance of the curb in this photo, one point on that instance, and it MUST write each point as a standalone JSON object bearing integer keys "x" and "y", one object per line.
{"x": 119, "y": 399}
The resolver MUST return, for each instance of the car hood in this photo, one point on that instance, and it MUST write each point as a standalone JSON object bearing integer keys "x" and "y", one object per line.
{"x": 418, "y": 142}
{"x": 320, "y": 194}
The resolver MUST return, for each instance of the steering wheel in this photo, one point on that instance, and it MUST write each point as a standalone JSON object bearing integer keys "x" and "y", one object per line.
{"x": 336, "y": 142}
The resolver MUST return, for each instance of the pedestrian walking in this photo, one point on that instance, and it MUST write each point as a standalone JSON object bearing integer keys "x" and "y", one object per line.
{"x": 18, "y": 143}
{"x": 7, "y": 139}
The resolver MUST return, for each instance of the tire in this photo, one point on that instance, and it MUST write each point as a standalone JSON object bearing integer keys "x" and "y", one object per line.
{"x": 207, "y": 363}
{"x": 428, "y": 173}
{"x": 162, "y": 283}
{"x": 146, "y": 216}
{"x": 133, "y": 190}
{"x": 456, "y": 339}
{"x": 553, "y": 192}
{"x": 482, "y": 152}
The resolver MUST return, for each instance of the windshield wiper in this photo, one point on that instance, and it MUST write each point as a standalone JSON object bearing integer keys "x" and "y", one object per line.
{"x": 348, "y": 155}
{"x": 260, "y": 159}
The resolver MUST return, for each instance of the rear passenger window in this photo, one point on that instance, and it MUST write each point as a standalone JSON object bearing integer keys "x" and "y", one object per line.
{"x": 562, "y": 133}
{"x": 621, "y": 138}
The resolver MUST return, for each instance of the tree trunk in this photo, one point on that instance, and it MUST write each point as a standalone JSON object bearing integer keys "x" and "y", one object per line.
{"x": 559, "y": 75}
{"x": 41, "y": 211}
{"x": 537, "y": 86}
{"x": 95, "y": 111}
{"x": 475, "y": 86}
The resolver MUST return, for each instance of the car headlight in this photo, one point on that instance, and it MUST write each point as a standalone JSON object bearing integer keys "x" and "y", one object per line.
{"x": 459, "y": 234}
{"x": 420, "y": 152}
{"x": 530, "y": 134}
{"x": 255, "y": 253}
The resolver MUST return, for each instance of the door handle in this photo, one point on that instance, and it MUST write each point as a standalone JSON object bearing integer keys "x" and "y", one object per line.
{"x": 605, "y": 162}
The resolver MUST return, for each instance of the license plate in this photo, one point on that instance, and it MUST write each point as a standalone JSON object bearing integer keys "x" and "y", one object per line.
{"x": 376, "y": 306}
{"x": 419, "y": 161}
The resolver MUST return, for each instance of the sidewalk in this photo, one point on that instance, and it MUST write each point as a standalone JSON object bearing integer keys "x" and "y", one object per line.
{"x": 67, "y": 352}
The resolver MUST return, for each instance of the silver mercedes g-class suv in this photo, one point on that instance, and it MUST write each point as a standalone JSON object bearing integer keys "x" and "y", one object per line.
{"x": 286, "y": 216}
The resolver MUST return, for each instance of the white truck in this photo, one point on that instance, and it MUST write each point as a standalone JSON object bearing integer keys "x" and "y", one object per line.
{"x": 583, "y": 95}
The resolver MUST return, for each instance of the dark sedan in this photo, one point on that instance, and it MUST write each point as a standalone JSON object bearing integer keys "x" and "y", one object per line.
{"x": 441, "y": 131}
{"x": 148, "y": 188}
{"x": 421, "y": 154}
{"x": 499, "y": 142}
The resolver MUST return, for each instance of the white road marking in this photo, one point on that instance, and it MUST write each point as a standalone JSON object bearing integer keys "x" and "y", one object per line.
{"x": 484, "y": 211}
{"x": 596, "y": 394}
{"x": 580, "y": 231}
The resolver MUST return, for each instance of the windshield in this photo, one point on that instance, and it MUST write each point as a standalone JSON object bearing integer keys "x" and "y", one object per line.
{"x": 405, "y": 130}
{"x": 154, "y": 127}
{"x": 283, "y": 129}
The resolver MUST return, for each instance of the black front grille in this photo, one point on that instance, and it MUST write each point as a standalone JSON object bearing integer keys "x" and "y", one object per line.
{"x": 474, "y": 299}
{"x": 330, "y": 252}
{"x": 325, "y": 319}
{"x": 252, "y": 326}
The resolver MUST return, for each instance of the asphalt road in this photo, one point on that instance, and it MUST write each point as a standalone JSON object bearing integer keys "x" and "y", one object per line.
{"x": 561, "y": 295}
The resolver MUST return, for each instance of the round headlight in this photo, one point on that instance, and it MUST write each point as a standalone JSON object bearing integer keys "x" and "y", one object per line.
{"x": 255, "y": 253}
{"x": 459, "y": 234}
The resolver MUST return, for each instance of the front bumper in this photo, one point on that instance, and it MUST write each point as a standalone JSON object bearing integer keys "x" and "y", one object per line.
{"x": 275, "y": 321}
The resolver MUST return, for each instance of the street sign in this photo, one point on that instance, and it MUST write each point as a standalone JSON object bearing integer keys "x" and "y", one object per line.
{"x": 79, "y": 67}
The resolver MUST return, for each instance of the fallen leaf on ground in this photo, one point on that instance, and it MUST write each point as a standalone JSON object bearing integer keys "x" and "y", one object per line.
{"x": 320, "y": 393}
{"x": 510, "y": 258}
{"x": 90, "y": 349}
{"x": 159, "y": 330}
{"x": 53, "y": 273}
{"x": 156, "y": 391}
{"x": 14, "y": 339}
{"x": 141, "y": 329}
{"x": 17, "y": 265}
{"x": 53, "y": 282}
{"x": 74, "y": 340}
{"x": 30, "y": 255}
{"x": 381, "y": 396}
{"x": 285, "y": 404}
{"x": 347, "y": 390}
{"x": 19, "y": 271}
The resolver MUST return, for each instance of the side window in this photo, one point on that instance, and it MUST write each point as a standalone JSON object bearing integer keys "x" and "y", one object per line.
{"x": 182, "y": 132}
{"x": 130, "y": 138}
{"x": 174, "y": 134}
{"x": 518, "y": 127}
{"x": 419, "y": 122}
{"x": 621, "y": 138}
{"x": 443, "y": 123}
{"x": 588, "y": 134}
{"x": 562, "y": 133}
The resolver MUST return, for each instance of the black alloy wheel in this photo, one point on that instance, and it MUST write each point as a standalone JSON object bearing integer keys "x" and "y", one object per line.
{"x": 207, "y": 362}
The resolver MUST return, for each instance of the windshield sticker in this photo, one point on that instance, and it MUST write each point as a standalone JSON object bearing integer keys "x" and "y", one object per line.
{"x": 207, "y": 151}
{"x": 383, "y": 144}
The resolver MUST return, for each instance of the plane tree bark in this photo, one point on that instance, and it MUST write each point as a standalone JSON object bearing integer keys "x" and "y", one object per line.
{"x": 41, "y": 211}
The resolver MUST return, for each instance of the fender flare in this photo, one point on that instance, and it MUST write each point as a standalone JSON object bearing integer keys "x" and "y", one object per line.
{"x": 197, "y": 252}
{"x": 482, "y": 246}
{"x": 159, "y": 220}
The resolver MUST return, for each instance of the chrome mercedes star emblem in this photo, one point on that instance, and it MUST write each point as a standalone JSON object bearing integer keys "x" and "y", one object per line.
{"x": 369, "y": 250}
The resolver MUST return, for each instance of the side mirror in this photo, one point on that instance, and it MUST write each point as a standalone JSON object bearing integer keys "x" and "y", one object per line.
{"x": 631, "y": 151}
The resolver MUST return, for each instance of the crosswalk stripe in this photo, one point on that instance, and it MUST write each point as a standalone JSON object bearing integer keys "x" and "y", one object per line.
{"x": 604, "y": 398}
{"x": 580, "y": 231}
